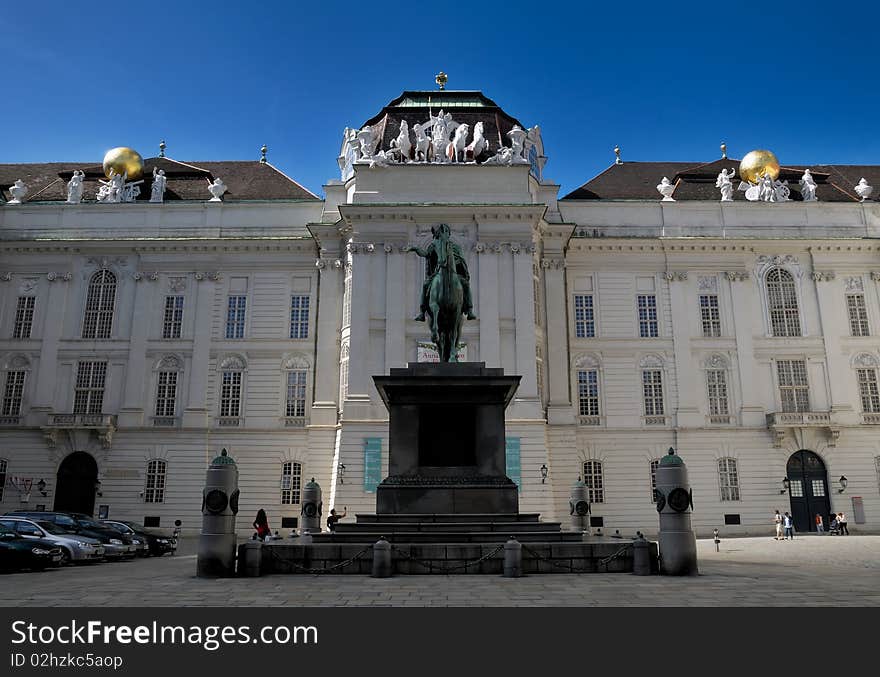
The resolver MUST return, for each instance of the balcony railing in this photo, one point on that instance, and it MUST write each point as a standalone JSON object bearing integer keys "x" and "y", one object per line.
{"x": 294, "y": 422}
{"x": 104, "y": 426}
{"x": 9, "y": 420}
{"x": 164, "y": 421}
{"x": 871, "y": 418}
{"x": 229, "y": 421}
{"x": 589, "y": 420}
{"x": 718, "y": 419}
{"x": 655, "y": 420}
{"x": 780, "y": 422}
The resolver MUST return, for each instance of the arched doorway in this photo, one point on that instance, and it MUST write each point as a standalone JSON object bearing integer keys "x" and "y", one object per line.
{"x": 75, "y": 490}
{"x": 808, "y": 490}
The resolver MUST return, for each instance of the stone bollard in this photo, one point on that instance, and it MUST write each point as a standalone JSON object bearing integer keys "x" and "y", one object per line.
{"x": 678, "y": 544}
{"x": 512, "y": 559}
{"x": 579, "y": 507}
{"x": 312, "y": 507}
{"x": 641, "y": 556}
{"x": 252, "y": 558}
{"x": 381, "y": 559}
{"x": 219, "y": 507}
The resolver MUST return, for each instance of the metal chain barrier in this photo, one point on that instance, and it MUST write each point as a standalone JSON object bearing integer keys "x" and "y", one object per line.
{"x": 320, "y": 570}
{"x": 575, "y": 570}
{"x": 431, "y": 567}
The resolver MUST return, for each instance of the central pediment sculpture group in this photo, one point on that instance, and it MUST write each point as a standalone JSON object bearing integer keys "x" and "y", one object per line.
{"x": 438, "y": 140}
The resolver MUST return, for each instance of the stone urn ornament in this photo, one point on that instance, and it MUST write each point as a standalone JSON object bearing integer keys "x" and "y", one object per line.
{"x": 665, "y": 188}
{"x": 863, "y": 190}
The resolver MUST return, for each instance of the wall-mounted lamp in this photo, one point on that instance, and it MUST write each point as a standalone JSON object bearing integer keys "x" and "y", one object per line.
{"x": 843, "y": 482}
{"x": 98, "y": 488}
{"x": 41, "y": 485}
{"x": 544, "y": 472}
{"x": 786, "y": 483}
{"x": 341, "y": 469}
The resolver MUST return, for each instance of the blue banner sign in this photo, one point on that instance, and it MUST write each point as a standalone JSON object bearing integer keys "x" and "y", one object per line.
{"x": 372, "y": 463}
{"x": 513, "y": 465}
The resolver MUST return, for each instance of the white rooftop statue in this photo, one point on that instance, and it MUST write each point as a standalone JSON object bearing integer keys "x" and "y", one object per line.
{"x": 863, "y": 190}
{"x": 665, "y": 189}
{"x": 17, "y": 190}
{"x": 216, "y": 189}
{"x": 157, "y": 192}
{"x": 808, "y": 187}
{"x": 75, "y": 187}
{"x": 725, "y": 183}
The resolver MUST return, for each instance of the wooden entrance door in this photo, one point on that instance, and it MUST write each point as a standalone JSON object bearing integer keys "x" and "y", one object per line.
{"x": 808, "y": 490}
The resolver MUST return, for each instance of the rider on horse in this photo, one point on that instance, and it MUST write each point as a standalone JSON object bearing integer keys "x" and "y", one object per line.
{"x": 430, "y": 253}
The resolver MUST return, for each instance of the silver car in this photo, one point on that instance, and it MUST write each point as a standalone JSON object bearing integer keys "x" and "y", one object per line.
{"x": 74, "y": 548}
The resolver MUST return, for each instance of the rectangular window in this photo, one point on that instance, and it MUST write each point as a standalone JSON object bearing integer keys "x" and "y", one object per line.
{"x": 728, "y": 479}
{"x": 24, "y": 317}
{"x": 652, "y": 389}
{"x": 716, "y": 383}
{"x": 539, "y": 369}
{"x": 13, "y": 393}
{"x": 291, "y": 483}
{"x": 584, "y": 317}
{"x": 173, "y": 322}
{"x": 346, "y": 298}
{"x": 536, "y": 292}
{"x": 868, "y": 390}
{"x": 594, "y": 481}
{"x": 230, "y": 394}
{"x": 655, "y": 463}
{"x": 710, "y": 316}
{"x": 166, "y": 393}
{"x": 794, "y": 391}
{"x": 235, "y": 314}
{"x": 299, "y": 317}
{"x": 154, "y": 488}
{"x": 588, "y": 392}
{"x": 296, "y": 394}
{"x": 647, "y": 304}
{"x": 88, "y": 397}
{"x": 858, "y": 315}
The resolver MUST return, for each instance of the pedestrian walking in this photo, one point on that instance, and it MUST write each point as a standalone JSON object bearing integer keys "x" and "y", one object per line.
{"x": 820, "y": 524}
{"x": 788, "y": 525}
{"x": 841, "y": 522}
{"x": 777, "y": 519}
{"x": 261, "y": 524}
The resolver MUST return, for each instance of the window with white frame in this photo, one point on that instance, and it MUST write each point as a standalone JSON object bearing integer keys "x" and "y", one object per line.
{"x": 539, "y": 368}
{"x": 647, "y": 308}
{"x": 716, "y": 385}
{"x": 172, "y": 324}
{"x": 346, "y": 297}
{"x": 13, "y": 392}
{"x": 299, "y": 316}
{"x": 536, "y": 292}
{"x": 230, "y": 394}
{"x": 296, "y": 394}
{"x": 3, "y": 466}
{"x": 24, "y": 317}
{"x": 710, "y": 316}
{"x": 728, "y": 479}
{"x": 236, "y": 307}
{"x": 100, "y": 300}
{"x": 166, "y": 393}
{"x": 88, "y": 396}
{"x": 584, "y": 316}
{"x": 794, "y": 391}
{"x": 154, "y": 488}
{"x": 594, "y": 481}
{"x": 652, "y": 391}
{"x": 868, "y": 390}
{"x": 654, "y": 463}
{"x": 588, "y": 392}
{"x": 858, "y": 315}
{"x": 291, "y": 483}
{"x": 782, "y": 303}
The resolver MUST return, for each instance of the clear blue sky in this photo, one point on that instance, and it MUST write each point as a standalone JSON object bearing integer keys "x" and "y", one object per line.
{"x": 665, "y": 80}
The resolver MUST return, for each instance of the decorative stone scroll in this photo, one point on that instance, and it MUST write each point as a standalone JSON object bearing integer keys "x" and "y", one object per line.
{"x": 675, "y": 275}
{"x": 823, "y": 276}
{"x": 737, "y": 275}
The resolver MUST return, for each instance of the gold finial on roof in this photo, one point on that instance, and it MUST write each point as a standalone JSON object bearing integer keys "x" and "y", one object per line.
{"x": 758, "y": 163}
{"x": 162, "y": 148}
{"x": 617, "y": 159}
{"x": 723, "y": 151}
{"x": 263, "y": 152}
{"x": 123, "y": 160}
{"x": 441, "y": 79}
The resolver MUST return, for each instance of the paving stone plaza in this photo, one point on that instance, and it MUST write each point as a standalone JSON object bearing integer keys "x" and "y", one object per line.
{"x": 808, "y": 571}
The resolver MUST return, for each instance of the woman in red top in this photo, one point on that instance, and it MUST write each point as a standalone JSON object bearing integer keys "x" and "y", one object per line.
{"x": 261, "y": 524}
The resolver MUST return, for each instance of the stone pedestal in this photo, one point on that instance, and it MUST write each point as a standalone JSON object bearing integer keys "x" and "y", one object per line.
{"x": 446, "y": 440}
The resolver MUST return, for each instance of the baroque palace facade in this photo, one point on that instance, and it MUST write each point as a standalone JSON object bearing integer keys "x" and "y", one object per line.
{"x": 225, "y": 306}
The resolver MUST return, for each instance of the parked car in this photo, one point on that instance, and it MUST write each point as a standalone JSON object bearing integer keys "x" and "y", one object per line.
{"x": 74, "y": 547}
{"x": 18, "y": 553}
{"x": 116, "y": 545}
{"x": 158, "y": 542}
{"x": 139, "y": 540}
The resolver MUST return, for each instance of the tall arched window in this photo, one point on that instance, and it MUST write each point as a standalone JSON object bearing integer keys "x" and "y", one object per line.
{"x": 3, "y": 476}
{"x": 154, "y": 489}
{"x": 782, "y": 303}
{"x": 655, "y": 463}
{"x": 728, "y": 479}
{"x": 291, "y": 483}
{"x": 98, "y": 319}
{"x": 594, "y": 481}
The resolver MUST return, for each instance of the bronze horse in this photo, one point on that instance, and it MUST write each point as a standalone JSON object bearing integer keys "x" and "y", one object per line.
{"x": 445, "y": 299}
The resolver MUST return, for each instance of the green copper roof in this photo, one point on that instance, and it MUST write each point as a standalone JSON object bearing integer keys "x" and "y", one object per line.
{"x": 223, "y": 459}
{"x": 671, "y": 459}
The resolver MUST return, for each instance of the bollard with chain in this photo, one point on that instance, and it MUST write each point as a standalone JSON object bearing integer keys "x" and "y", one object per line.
{"x": 381, "y": 559}
{"x": 512, "y": 558}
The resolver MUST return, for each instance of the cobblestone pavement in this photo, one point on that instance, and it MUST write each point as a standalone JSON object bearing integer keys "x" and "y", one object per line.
{"x": 808, "y": 571}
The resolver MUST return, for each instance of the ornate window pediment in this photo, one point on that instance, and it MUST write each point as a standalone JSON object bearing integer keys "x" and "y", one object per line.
{"x": 651, "y": 361}
{"x": 295, "y": 361}
{"x": 233, "y": 363}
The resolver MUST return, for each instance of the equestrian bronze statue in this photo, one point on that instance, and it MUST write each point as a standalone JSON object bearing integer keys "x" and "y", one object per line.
{"x": 446, "y": 293}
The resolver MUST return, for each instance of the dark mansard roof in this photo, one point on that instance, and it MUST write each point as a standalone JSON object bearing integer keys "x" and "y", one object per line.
{"x": 246, "y": 180}
{"x": 696, "y": 181}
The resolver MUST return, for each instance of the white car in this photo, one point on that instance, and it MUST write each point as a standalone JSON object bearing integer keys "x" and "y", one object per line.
{"x": 74, "y": 548}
